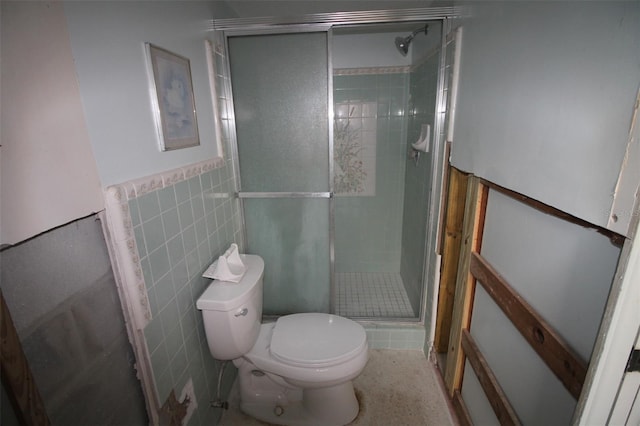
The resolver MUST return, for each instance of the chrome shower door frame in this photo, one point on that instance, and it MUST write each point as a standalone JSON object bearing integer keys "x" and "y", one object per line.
{"x": 233, "y": 142}
{"x": 325, "y": 22}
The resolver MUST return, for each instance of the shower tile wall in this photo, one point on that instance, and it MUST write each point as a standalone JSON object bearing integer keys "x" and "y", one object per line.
{"x": 417, "y": 181}
{"x": 368, "y": 223}
{"x": 368, "y": 228}
{"x": 179, "y": 230}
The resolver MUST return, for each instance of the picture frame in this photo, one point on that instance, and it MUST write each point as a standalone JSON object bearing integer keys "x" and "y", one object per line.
{"x": 172, "y": 99}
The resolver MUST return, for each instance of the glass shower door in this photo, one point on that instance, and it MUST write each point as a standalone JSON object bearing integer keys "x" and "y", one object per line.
{"x": 280, "y": 92}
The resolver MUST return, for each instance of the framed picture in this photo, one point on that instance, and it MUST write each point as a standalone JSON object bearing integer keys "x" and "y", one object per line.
{"x": 172, "y": 99}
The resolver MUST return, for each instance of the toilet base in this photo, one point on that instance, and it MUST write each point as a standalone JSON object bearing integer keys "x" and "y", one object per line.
{"x": 268, "y": 399}
{"x": 334, "y": 406}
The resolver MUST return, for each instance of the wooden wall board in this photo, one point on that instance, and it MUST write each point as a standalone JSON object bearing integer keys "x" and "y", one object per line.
{"x": 561, "y": 359}
{"x": 16, "y": 374}
{"x": 452, "y": 241}
{"x": 461, "y": 409}
{"x": 626, "y": 202}
{"x": 475, "y": 210}
{"x": 444, "y": 200}
{"x": 495, "y": 395}
{"x": 552, "y": 348}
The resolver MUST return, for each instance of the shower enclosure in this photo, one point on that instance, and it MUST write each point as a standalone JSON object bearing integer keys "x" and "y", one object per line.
{"x": 381, "y": 100}
{"x": 333, "y": 196}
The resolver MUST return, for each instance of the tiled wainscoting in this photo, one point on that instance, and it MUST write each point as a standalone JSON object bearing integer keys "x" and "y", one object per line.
{"x": 171, "y": 228}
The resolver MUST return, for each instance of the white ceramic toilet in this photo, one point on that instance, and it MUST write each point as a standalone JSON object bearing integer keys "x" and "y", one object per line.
{"x": 295, "y": 371}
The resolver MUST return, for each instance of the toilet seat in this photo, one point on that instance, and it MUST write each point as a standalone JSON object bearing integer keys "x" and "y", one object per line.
{"x": 316, "y": 340}
{"x": 343, "y": 368}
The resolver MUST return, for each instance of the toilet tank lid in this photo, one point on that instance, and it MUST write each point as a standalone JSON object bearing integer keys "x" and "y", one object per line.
{"x": 224, "y": 295}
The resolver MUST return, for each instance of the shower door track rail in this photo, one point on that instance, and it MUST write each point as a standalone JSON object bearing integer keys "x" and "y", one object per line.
{"x": 245, "y": 194}
{"x": 341, "y": 18}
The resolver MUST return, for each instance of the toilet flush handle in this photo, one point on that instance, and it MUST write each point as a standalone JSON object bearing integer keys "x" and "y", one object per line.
{"x": 242, "y": 313}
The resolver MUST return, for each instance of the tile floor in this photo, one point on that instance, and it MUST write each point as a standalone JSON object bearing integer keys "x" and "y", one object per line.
{"x": 372, "y": 294}
{"x": 399, "y": 388}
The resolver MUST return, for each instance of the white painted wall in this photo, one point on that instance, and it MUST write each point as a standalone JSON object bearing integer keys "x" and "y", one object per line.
{"x": 368, "y": 50}
{"x": 48, "y": 172}
{"x": 379, "y": 50}
{"x": 107, "y": 40}
{"x": 422, "y": 46}
{"x": 545, "y": 99}
{"x": 475, "y": 399}
{"x": 620, "y": 328}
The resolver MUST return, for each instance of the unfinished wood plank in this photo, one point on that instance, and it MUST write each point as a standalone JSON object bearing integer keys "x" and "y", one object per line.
{"x": 495, "y": 395}
{"x": 16, "y": 374}
{"x": 625, "y": 195}
{"x": 615, "y": 238}
{"x": 450, "y": 257}
{"x": 475, "y": 209}
{"x": 444, "y": 197}
{"x": 461, "y": 409}
{"x": 552, "y": 348}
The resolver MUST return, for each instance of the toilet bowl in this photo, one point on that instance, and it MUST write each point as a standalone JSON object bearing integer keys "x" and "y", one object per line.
{"x": 295, "y": 371}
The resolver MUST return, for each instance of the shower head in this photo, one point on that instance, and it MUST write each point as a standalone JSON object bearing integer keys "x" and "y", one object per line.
{"x": 402, "y": 43}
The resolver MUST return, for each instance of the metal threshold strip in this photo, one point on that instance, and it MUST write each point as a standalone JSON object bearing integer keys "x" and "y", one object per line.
{"x": 284, "y": 194}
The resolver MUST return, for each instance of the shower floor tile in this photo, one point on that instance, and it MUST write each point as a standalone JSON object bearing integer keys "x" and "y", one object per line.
{"x": 372, "y": 294}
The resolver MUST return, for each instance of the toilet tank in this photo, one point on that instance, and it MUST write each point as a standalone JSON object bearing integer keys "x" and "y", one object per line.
{"x": 232, "y": 311}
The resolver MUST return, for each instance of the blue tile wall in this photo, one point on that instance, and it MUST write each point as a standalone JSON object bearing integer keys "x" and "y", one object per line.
{"x": 179, "y": 231}
{"x": 417, "y": 180}
{"x": 368, "y": 228}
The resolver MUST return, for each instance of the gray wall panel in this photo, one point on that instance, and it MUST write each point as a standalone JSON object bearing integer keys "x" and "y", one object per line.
{"x": 545, "y": 99}
{"x": 62, "y": 295}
